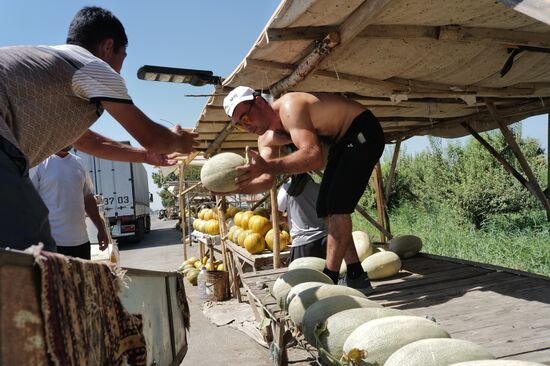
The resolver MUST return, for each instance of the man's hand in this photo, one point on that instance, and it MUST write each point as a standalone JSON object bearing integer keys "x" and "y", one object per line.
{"x": 255, "y": 167}
{"x": 160, "y": 159}
{"x": 185, "y": 140}
{"x": 102, "y": 239}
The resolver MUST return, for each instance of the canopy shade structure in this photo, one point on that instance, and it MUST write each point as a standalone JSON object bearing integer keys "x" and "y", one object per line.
{"x": 423, "y": 67}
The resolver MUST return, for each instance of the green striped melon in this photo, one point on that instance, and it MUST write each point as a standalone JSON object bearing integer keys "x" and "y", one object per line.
{"x": 405, "y": 246}
{"x": 497, "y": 363}
{"x": 332, "y": 334}
{"x": 289, "y": 279}
{"x": 319, "y": 311}
{"x": 218, "y": 173}
{"x": 375, "y": 341}
{"x": 381, "y": 265}
{"x": 437, "y": 352}
{"x": 299, "y": 304}
{"x": 315, "y": 263}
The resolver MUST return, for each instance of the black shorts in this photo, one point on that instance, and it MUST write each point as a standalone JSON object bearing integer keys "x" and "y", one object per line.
{"x": 318, "y": 248}
{"x": 350, "y": 164}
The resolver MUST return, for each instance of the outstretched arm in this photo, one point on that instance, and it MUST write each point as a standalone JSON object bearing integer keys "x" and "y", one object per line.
{"x": 151, "y": 135}
{"x": 103, "y": 147}
{"x": 90, "y": 206}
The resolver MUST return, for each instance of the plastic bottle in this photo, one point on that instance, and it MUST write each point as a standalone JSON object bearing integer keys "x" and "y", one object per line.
{"x": 201, "y": 284}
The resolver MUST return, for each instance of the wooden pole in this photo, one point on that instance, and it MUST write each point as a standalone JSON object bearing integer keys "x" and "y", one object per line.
{"x": 275, "y": 221}
{"x": 379, "y": 199}
{"x": 221, "y": 204}
{"x": 521, "y": 158}
{"x": 182, "y": 208}
{"x": 392, "y": 169}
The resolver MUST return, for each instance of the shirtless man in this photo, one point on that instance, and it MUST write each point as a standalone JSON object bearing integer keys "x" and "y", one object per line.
{"x": 307, "y": 120}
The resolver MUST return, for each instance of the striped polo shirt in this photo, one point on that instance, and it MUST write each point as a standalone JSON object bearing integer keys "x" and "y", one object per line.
{"x": 50, "y": 95}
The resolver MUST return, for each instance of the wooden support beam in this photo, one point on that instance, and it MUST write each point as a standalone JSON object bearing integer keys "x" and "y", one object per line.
{"x": 373, "y": 222}
{"x": 298, "y": 33}
{"x": 214, "y": 145}
{"x": 182, "y": 208}
{"x": 380, "y": 203}
{"x": 190, "y": 188}
{"x": 275, "y": 221}
{"x": 307, "y": 65}
{"x": 392, "y": 168}
{"x": 521, "y": 158}
{"x": 453, "y": 33}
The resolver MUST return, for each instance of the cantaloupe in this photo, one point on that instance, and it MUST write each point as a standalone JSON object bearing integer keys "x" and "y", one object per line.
{"x": 299, "y": 304}
{"x": 284, "y": 240}
{"x": 375, "y": 341}
{"x": 254, "y": 243}
{"x": 333, "y": 333}
{"x": 497, "y": 363}
{"x": 437, "y": 352}
{"x": 320, "y": 310}
{"x": 381, "y": 265}
{"x": 405, "y": 246}
{"x": 218, "y": 173}
{"x": 289, "y": 279}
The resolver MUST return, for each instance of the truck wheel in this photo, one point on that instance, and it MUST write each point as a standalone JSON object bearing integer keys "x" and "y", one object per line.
{"x": 147, "y": 224}
{"x": 140, "y": 229}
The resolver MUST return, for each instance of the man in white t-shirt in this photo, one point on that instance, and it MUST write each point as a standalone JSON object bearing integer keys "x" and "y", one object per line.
{"x": 67, "y": 190}
{"x": 309, "y": 233}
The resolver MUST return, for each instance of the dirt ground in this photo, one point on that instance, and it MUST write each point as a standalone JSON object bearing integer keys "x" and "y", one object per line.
{"x": 209, "y": 344}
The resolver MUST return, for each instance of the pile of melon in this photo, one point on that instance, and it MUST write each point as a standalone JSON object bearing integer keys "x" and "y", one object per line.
{"x": 207, "y": 220}
{"x": 349, "y": 329}
{"x": 253, "y": 231}
{"x": 192, "y": 266}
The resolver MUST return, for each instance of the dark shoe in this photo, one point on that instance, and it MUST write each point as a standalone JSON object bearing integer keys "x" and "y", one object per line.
{"x": 361, "y": 283}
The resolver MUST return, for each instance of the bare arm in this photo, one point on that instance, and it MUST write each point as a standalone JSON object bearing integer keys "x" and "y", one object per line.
{"x": 103, "y": 147}
{"x": 90, "y": 206}
{"x": 151, "y": 135}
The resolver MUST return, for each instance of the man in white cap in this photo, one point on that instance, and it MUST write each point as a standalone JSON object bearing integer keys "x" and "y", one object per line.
{"x": 308, "y": 120}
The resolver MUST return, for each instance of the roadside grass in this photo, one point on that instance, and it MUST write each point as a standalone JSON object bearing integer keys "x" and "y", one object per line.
{"x": 517, "y": 241}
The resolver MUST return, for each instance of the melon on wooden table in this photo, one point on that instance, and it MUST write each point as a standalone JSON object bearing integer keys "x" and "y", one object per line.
{"x": 332, "y": 334}
{"x": 497, "y": 363}
{"x": 218, "y": 173}
{"x": 315, "y": 263}
{"x": 302, "y": 301}
{"x": 320, "y": 310}
{"x": 289, "y": 279}
{"x": 375, "y": 341}
{"x": 381, "y": 265}
{"x": 405, "y": 246}
{"x": 437, "y": 352}
{"x": 283, "y": 304}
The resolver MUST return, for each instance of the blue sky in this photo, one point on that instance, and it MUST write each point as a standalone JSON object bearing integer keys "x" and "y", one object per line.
{"x": 207, "y": 34}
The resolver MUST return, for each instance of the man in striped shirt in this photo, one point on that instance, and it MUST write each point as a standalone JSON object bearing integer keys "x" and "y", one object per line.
{"x": 49, "y": 97}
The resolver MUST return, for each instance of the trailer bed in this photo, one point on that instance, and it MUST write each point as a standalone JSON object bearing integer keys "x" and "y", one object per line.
{"x": 506, "y": 311}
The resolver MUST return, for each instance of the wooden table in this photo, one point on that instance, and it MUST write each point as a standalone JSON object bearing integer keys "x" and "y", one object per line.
{"x": 256, "y": 261}
{"x": 505, "y": 311}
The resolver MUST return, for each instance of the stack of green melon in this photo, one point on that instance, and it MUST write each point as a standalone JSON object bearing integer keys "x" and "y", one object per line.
{"x": 349, "y": 329}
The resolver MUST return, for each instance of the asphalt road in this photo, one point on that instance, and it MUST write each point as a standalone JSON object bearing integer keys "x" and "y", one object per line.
{"x": 162, "y": 250}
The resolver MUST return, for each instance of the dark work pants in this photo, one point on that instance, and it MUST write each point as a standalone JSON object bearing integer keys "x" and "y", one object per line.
{"x": 23, "y": 214}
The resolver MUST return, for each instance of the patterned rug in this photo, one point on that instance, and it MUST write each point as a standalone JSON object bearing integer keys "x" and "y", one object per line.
{"x": 85, "y": 322}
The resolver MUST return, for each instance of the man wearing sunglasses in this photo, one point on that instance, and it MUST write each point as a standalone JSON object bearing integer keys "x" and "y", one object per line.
{"x": 308, "y": 121}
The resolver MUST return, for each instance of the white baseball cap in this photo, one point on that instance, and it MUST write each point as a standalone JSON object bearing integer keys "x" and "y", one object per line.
{"x": 238, "y": 95}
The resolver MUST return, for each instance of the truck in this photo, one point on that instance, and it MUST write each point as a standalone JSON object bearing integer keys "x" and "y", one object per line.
{"x": 124, "y": 189}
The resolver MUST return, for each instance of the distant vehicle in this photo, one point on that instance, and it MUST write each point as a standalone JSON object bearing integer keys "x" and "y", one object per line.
{"x": 162, "y": 214}
{"x": 125, "y": 191}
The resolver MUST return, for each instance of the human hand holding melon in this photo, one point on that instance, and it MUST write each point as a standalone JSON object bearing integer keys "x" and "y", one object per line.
{"x": 256, "y": 166}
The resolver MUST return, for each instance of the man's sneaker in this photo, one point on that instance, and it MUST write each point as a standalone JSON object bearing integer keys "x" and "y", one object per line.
{"x": 361, "y": 283}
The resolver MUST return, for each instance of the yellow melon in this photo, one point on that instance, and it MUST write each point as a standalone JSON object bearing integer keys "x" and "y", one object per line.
{"x": 254, "y": 243}
{"x": 284, "y": 240}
